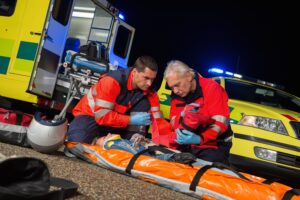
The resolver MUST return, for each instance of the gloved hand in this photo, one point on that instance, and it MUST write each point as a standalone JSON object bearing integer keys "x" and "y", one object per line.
{"x": 182, "y": 113}
{"x": 187, "y": 137}
{"x": 142, "y": 118}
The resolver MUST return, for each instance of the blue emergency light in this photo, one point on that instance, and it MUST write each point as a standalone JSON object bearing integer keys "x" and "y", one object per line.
{"x": 219, "y": 71}
{"x": 216, "y": 70}
{"x": 121, "y": 16}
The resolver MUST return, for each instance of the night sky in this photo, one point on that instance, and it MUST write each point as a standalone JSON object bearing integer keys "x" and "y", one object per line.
{"x": 251, "y": 38}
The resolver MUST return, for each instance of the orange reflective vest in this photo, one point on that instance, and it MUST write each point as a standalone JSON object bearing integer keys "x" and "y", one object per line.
{"x": 213, "y": 101}
{"x": 112, "y": 99}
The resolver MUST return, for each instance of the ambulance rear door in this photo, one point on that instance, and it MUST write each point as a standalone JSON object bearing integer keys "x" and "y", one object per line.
{"x": 21, "y": 28}
{"x": 46, "y": 67}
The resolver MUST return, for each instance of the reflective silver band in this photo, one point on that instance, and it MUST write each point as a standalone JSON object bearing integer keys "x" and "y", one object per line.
{"x": 157, "y": 115}
{"x": 172, "y": 120}
{"x": 91, "y": 100}
{"x": 154, "y": 108}
{"x": 13, "y": 128}
{"x": 216, "y": 128}
{"x": 221, "y": 118}
{"x": 101, "y": 113}
{"x": 94, "y": 91}
{"x": 104, "y": 104}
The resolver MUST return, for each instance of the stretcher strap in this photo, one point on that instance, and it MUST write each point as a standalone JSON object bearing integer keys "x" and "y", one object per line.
{"x": 202, "y": 170}
{"x": 270, "y": 181}
{"x": 148, "y": 150}
{"x": 133, "y": 159}
{"x": 289, "y": 194}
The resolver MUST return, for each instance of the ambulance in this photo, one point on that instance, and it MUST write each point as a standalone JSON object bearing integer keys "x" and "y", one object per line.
{"x": 36, "y": 37}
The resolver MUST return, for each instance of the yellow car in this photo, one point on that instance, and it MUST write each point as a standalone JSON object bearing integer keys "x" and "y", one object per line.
{"x": 266, "y": 126}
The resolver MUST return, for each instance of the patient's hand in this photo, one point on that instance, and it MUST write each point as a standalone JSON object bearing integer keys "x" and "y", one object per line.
{"x": 138, "y": 140}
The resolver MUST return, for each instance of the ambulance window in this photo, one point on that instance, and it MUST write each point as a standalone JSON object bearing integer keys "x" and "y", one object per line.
{"x": 7, "y": 7}
{"x": 62, "y": 10}
{"x": 122, "y": 42}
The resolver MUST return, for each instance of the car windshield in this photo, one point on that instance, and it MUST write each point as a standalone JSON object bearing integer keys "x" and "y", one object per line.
{"x": 262, "y": 95}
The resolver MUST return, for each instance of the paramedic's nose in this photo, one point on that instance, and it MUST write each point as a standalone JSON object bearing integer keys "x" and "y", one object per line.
{"x": 149, "y": 83}
{"x": 175, "y": 90}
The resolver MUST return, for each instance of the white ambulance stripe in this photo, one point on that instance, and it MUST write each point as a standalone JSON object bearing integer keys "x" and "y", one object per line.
{"x": 101, "y": 113}
{"x": 221, "y": 118}
{"x": 105, "y": 104}
{"x": 155, "y": 108}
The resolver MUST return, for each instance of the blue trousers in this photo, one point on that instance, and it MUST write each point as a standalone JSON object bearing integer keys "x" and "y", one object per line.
{"x": 213, "y": 155}
{"x": 84, "y": 128}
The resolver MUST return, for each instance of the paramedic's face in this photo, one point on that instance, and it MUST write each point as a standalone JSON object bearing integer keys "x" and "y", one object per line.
{"x": 143, "y": 80}
{"x": 180, "y": 84}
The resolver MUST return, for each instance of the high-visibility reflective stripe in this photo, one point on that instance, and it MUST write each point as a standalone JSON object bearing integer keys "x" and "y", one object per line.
{"x": 94, "y": 91}
{"x": 91, "y": 99}
{"x": 154, "y": 108}
{"x": 172, "y": 120}
{"x": 105, "y": 104}
{"x": 101, "y": 113}
{"x": 216, "y": 128}
{"x": 221, "y": 118}
{"x": 157, "y": 115}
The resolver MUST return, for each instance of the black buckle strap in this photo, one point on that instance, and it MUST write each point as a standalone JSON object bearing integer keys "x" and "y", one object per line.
{"x": 202, "y": 170}
{"x": 270, "y": 181}
{"x": 289, "y": 194}
{"x": 148, "y": 150}
{"x": 133, "y": 159}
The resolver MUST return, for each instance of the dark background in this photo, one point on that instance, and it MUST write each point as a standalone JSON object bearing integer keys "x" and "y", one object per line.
{"x": 253, "y": 38}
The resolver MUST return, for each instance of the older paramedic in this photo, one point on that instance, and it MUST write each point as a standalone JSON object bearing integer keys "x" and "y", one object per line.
{"x": 207, "y": 100}
{"x": 120, "y": 102}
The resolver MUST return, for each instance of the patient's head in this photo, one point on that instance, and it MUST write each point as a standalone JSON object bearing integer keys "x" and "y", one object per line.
{"x": 110, "y": 136}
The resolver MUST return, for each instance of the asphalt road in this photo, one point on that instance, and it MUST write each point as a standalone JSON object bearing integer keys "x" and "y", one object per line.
{"x": 96, "y": 182}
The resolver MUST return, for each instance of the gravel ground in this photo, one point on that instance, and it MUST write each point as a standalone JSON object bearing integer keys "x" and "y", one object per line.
{"x": 96, "y": 182}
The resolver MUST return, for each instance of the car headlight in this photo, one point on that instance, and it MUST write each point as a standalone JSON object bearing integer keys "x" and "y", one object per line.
{"x": 265, "y": 154}
{"x": 264, "y": 123}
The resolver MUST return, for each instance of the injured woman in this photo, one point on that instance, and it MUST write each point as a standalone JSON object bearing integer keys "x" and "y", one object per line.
{"x": 139, "y": 143}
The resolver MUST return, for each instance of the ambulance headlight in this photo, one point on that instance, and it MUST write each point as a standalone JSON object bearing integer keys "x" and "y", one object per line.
{"x": 265, "y": 154}
{"x": 264, "y": 123}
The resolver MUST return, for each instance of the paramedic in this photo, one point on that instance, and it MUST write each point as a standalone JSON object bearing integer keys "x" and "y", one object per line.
{"x": 188, "y": 87}
{"x": 120, "y": 102}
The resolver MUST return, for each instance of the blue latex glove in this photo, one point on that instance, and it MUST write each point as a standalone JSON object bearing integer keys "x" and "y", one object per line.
{"x": 182, "y": 114}
{"x": 187, "y": 137}
{"x": 142, "y": 119}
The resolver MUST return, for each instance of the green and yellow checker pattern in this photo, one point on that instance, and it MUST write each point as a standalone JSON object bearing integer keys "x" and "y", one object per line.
{"x": 18, "y": 47}
{"x": 6, "y": 49}
{"x": 25, "y": 56}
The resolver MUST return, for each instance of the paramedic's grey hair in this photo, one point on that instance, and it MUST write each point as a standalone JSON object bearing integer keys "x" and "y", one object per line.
{"x": 178, "y": 67}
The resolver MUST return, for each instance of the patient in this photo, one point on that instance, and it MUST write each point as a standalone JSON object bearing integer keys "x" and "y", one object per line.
{"x": 138, "y": 143}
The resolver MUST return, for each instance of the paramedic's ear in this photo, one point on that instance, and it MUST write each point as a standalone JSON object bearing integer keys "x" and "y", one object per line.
{"x": 190, "y": 77}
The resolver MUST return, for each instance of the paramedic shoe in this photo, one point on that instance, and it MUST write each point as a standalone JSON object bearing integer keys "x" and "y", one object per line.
{"x": 68, "y": 153}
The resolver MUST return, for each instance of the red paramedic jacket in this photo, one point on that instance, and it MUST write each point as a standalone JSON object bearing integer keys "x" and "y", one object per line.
{"x": 213, "y": 101}
{"x": 112, "y": 96}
